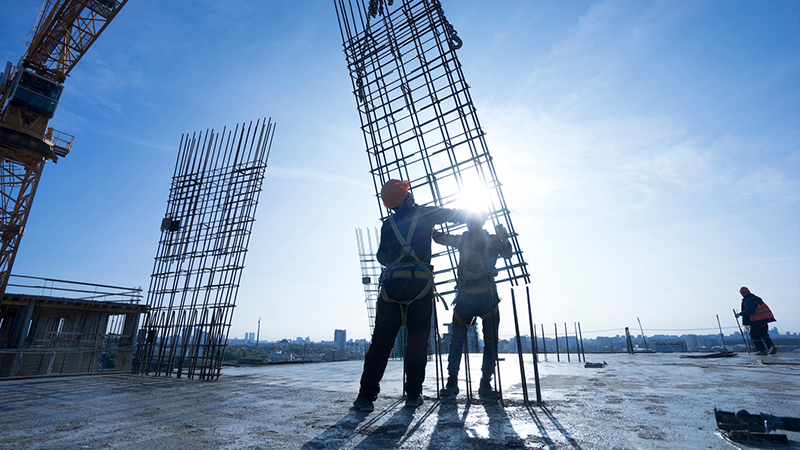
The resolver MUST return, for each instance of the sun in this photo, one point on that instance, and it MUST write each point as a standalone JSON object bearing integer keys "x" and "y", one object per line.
{"x": 474, "y": 196}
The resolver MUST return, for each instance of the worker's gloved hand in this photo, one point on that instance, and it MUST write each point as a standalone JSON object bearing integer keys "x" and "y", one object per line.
{"x": 737, "y": 315}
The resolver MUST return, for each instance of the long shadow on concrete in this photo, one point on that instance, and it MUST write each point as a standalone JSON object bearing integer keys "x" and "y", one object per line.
{"x": 500, "y": 429}
{"x": 390, "y": 433}
{"x": 339, "y": 434}
{"x": 346, "y": 430}
{"x": 557, "y": 424}
{"x": 449, "y": 426}
{"x": 494, "y": 430}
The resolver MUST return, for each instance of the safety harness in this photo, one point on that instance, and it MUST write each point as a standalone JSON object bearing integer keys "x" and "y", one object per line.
{"x": 465, "y": 275}
{"x": 400, "y": 270}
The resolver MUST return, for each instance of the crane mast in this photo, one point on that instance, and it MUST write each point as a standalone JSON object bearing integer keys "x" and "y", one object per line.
{"x": 29, "y": 95}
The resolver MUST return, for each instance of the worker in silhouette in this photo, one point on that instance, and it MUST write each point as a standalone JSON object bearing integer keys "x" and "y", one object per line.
{"x": 757, "y": 315}
{"x": 406, "y": 291}
{"x": 476, "y": 297}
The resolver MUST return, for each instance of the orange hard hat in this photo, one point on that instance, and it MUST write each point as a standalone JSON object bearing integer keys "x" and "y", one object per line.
{"x": 393, "y": 192}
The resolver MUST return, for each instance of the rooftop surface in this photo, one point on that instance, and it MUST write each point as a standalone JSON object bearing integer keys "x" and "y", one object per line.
{"x": 642, "y": 401}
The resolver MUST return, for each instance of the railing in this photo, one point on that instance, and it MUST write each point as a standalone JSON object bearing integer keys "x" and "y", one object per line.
{"x": 61, "y": 142}
{"x": 56, "y": 339}
{"x": 73, "y": 289}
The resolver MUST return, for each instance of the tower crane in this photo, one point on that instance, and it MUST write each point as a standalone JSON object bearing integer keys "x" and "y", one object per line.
{"x": 29, "y": 95}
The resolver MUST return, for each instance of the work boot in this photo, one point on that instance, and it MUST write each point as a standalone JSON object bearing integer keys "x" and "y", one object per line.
{"x": 773, "y": 350}
{"x": 415, "y": 401}
{"x": 761, "y": 352}
{"x": 363, "y": 404}
{"x": 451, "y": 389}
{"x": 486, "y": 391}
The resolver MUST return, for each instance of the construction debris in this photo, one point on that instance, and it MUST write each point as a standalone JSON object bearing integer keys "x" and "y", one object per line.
{"x": 743, "y": 426}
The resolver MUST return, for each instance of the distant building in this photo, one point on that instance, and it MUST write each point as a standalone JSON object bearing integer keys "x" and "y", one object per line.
{"x": 334, "y": 355}
{"x": 279, "y": 355}
{"x": 692, "y": 343}
{"x": 670, "y": 345}
{"x": 250, "y": 337}
{"x": 340, "y": 338}
{"x": 472, "y": 340}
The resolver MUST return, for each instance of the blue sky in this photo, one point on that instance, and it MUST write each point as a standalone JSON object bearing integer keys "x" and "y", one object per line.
{"x": 650, "y": 152}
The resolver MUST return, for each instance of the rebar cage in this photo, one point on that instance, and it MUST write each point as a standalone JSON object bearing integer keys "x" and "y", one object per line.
{"x": 418, "y": 119}
{"x": 370, "y": 271}
{"x": 204, "y": 238}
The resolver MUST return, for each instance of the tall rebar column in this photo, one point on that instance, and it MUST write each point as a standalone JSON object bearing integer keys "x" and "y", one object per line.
{"x": 201, "y": 253}
{"x": 417, "y": 116}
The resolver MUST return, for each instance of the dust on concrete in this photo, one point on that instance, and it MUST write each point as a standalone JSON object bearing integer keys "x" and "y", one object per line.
{"x": 643, "y": 401}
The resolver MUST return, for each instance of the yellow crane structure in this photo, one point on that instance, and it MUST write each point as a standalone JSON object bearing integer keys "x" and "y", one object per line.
{"x": 29, "y": 95}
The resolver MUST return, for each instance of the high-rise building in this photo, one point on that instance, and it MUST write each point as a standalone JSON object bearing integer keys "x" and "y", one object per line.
{"x": 340, "y": 338}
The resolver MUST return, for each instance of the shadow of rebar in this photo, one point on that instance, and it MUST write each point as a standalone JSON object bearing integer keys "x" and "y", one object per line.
{"x": 343, "y": 431}
{"x": 540, "y": 426}
{"x": 390, "y": 433}
{"x": 560, "y": 427}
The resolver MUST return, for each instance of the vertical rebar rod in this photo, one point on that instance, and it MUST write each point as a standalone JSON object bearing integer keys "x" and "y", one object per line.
{"x": 583, "y": 349}
{"x": 721, "y": 335}
{"x": 519, "y": 348}
{"x": 534, "y": 348}
{"x": 467, "y": 369}
{"x": 437, "y": 350}
{"x": 544, "y": 343}
{"x": 643, "y": 336}
{"x": 577, "y": 341}
{"x": 744, "y": 338}
{"x": 558, "y": 354}
{"x": 566, "y": 340}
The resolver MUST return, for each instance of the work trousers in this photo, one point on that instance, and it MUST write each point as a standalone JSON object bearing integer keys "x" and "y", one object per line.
{"x": 759, "y": 333}
{"x": 469, "y": 306}
{"x": 388, "y": 319}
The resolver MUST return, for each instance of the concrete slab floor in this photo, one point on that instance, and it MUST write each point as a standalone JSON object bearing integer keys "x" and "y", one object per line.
{"x": 643, "y": 401}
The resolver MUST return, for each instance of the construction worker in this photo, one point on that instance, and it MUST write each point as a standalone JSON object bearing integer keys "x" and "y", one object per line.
{"x": 406, "y": 293}
{"x": 757, "y": 314}
{"x": 476, "y": 297}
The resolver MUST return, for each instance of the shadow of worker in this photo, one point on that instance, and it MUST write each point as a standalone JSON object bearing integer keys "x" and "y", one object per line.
{"x": 338, "y": 434}
{"x": 452, "y": 431}
{"x": 501, "y": 432}
{"x": 449, "y": 431}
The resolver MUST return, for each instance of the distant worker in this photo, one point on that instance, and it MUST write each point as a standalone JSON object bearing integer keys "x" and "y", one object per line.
{"x": 757, "y": 314}
{"x": 476, "y": 297}
{"x": 406, "y": 291}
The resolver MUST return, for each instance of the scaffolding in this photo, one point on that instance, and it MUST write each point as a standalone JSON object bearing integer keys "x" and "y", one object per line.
{"x": 201, "y": 253}
{"x": 418, "y": 119}
{"x": 370, "y": 272}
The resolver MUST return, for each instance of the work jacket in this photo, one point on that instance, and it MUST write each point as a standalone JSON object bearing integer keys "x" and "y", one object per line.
{"x": 478, "y": 252}
{"x": 390, "y": 248}
{"x": 755, "y": 311}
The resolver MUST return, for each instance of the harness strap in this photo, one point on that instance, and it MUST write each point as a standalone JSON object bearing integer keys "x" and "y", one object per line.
{"x": 406, "y": 243}
{"x": 475, "y": 318}
{"x": 407, "y": 273}
{"x": 463, "y": 273}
